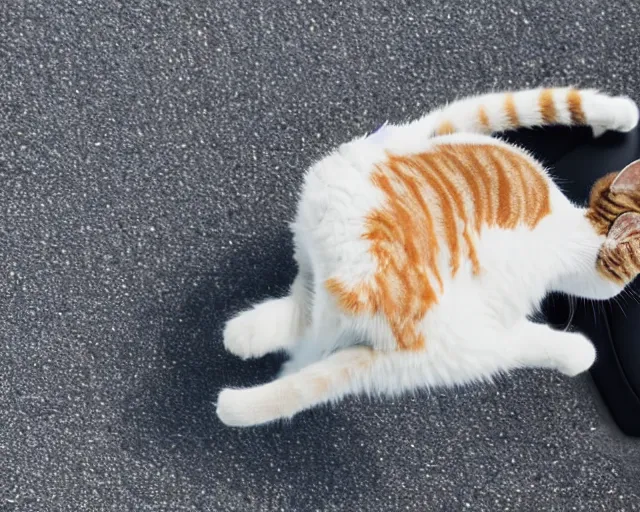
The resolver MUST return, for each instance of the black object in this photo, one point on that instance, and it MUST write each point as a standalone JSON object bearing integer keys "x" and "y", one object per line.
{"x": 577, "y": 161}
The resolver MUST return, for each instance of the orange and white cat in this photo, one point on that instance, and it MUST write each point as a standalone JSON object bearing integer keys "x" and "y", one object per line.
{"x": 423, "y": 248}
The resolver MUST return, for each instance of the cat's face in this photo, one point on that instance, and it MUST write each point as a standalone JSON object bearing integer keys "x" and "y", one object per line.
{"x": 614, "y": 194}
{"x": 614, "y": 211}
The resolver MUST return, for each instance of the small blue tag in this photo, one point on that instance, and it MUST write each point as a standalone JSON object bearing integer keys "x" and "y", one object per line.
{"x": 378, "y": 128}
{"x": 379, "y": 133}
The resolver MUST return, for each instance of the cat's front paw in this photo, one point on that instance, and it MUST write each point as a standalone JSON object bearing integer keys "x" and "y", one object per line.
{"x": 578, "y": 355}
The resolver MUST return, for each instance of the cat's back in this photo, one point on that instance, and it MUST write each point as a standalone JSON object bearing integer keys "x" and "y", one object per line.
{"x": 393, "y": 190}
{"x": 392, "y": 221}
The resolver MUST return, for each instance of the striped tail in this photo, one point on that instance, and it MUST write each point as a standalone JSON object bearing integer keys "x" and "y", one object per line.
{"x": 498, "y": 112}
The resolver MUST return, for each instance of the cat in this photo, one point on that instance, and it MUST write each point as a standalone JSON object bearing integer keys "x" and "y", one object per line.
{"x": 423, "y": 249}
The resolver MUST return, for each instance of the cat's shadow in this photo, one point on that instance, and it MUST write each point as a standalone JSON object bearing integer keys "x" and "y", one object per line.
{"x": 174, "y": 416}
{"x": 196, "y": 363}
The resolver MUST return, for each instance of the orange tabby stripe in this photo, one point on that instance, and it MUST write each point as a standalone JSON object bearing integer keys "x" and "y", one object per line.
{"x": 448, "y": 217}
{"x": 381, "y": 238}
{"x": 430, "y": 247}
{"x": 455, "y": 164}
{"x": 473, "y": 255}
{"x": 517, "y": 166}
{"x": 445, "y": 128}
{"x": 400, "y": 216}
{"x": 504, "y": 189}
{"x": 439, "y": 169}
{"x": 547, "y": 106}
{"x": 574, "y": 103}
{"x": 483, "y": 118}
{"x": 382, "y": 228}
{"x": 535, "y": 191}
{"x": 485, "y": 205}
{"x": 399, "y": 288}
{"x": 348, "y": 300}
{"x": 448, "y": 213}
{"x": 540, "y": 191}
{"x": 515, "y": 170}
{"x": 510, "y": 109}
{"x": 384, "y": 300}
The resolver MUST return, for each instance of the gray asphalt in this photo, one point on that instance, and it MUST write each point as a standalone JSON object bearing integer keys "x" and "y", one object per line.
{"x": 150, "y": 154}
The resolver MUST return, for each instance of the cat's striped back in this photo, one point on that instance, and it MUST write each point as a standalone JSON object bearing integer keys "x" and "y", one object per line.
{"x": 438, "y": 201}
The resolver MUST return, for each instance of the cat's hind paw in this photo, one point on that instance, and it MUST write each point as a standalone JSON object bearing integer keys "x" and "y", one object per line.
{"x": 232, "y": 409}
{"x": 267, "y": 327}
{"x": 250, "y": 406}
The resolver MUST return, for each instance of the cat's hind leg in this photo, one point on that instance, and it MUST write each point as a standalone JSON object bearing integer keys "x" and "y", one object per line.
{"x": 272, "y": 325}
{"x": 328, "y": 379}
{"x": 323, "y": 335}
{"x": 275, "y": 324}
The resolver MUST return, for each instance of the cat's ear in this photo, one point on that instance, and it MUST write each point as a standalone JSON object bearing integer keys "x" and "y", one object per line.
{"x": 628, "y": 180}
{"x": 625, "y": 228}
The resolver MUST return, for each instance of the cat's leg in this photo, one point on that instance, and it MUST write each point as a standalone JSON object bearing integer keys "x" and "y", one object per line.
{"x": 325, "y": 380}
{"x": 490, "y": 113}
{"x": 361, "y": 369}
{"x": 540, "y": 346}
{"x": 323, "y": 335}
{"x": 275, "y": 324}
{"x": 272, "y": 325}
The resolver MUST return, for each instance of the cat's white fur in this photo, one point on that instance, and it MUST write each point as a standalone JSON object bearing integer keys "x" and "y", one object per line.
{"x": 478, "y": 327}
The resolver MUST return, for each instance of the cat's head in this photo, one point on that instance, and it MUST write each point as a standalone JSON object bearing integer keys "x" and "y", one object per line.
{"x": 614, "y": 211}
{"x": 614, "y": 194}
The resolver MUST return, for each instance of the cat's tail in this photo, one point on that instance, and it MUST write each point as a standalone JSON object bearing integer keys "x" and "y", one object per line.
{"x": 498, "y": 112}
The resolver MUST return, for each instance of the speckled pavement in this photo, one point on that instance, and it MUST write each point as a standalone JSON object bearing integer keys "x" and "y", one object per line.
{"x": 150, "y": 155}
